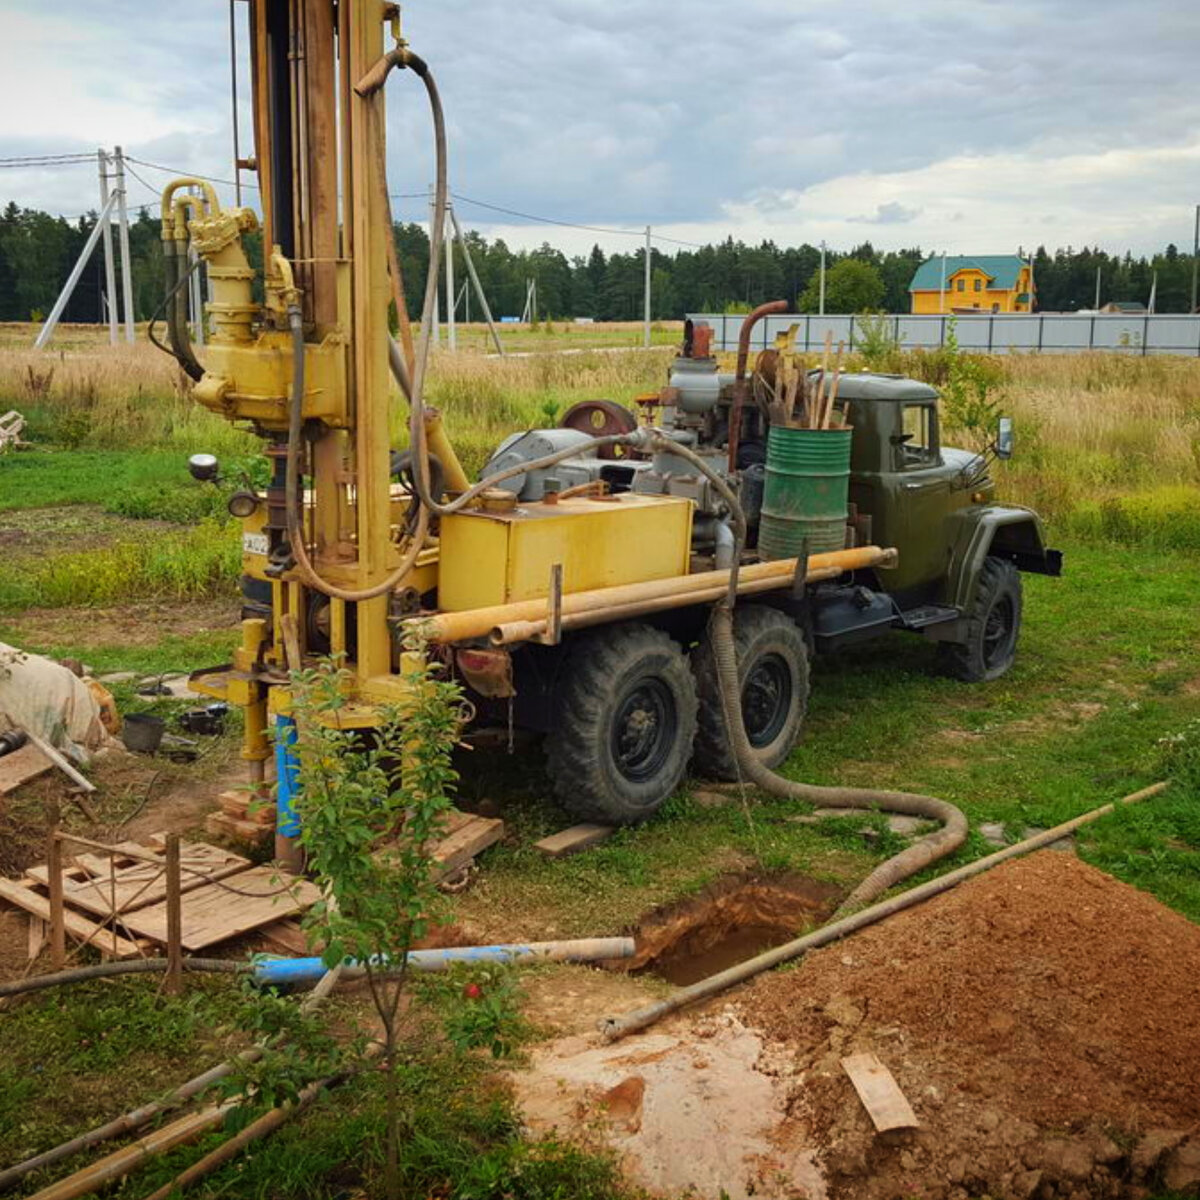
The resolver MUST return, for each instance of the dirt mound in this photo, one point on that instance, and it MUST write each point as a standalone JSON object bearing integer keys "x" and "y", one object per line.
{"x": 1044, "y": 1020}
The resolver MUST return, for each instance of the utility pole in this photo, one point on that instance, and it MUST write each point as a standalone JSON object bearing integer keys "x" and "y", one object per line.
{"x": 110, "y": 282}
{"x": 123, "y": 230}
{"x": 436, "y": 332}
{"x": 451, "y": 328}
{"x": 821, "y": 298}
{"x": 1196, "y": 258}
{"x": 1097, "y": 304}
{"x": 646, "y": 315}
{"x": 466, "y": 250}
{"x": 942, "y": 295}
{"x": 233, "y": 96}
{"x": 47, "y": 330}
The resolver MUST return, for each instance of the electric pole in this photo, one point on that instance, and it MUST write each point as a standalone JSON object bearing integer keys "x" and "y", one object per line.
{"x": 123, "y": 232}
{"x": 821, "y": 299}
{"x": 1195, "y": 257}
{"x": 451, "y": 298}
{"x": 646, "y": 317}
{"x": 110, "y": 282}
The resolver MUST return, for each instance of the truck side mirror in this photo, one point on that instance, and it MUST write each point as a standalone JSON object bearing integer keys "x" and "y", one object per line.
{"x": 1004, "y": 439}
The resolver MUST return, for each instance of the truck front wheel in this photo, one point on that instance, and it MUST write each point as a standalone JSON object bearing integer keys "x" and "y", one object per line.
{"x": 993, "y": 625}
{"x": 773, "y": 669}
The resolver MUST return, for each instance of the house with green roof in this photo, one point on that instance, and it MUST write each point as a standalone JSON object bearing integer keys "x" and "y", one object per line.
{"x": 989, "y": 283}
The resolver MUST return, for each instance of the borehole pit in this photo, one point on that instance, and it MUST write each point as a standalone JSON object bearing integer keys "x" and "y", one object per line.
{"x": 732, "y": 920}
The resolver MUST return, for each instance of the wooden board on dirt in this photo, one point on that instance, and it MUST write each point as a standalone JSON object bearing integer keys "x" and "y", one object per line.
{"x": 20, "y": 766}
{"x": 471, "y": 837}
{"x": 880, "y": 1093}
{"x": 79, "y": 927}
{"x": 573, "y": 840}
{"x": 218, "y": 911}
{"x": 103, "y": 885}
{"x": 246, "y": 806}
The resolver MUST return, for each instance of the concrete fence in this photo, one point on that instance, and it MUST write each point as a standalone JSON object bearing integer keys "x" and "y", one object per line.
{"x": 990, "y": 333}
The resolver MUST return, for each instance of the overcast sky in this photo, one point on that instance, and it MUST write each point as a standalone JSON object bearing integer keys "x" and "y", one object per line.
{"x": 973, "y": 126}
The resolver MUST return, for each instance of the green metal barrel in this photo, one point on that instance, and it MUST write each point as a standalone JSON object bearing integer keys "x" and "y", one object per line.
{"x": 805, "y": 496}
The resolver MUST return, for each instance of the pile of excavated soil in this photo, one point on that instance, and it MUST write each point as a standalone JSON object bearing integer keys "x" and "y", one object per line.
{"x": 1043, "y": 1020}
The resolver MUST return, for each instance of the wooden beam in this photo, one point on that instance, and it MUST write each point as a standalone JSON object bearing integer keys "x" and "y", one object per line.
{"x": 573, "y": 840}
{"x": 109, "y": 944}
{"x": 880, "y": 1093}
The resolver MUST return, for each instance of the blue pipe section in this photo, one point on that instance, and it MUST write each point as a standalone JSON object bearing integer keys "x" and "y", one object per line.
{"x": 285, "y": 972}
{"x": 287, "y": 775}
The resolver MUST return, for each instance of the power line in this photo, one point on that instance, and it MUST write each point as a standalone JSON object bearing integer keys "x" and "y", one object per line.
{"x": 512, "y": 212}
{"x": 178, "y": 171}
{"x": 47, "y": 160}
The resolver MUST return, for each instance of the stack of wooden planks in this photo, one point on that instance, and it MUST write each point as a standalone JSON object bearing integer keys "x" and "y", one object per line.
{"x": 244, "y": 818}
{"x": 117, "y": 902}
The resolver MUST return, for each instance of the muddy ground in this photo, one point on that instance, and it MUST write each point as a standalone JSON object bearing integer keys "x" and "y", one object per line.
{"x": 1043, "y": 1020}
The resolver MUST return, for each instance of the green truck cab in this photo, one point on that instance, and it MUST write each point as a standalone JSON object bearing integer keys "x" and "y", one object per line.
{"x": 961, "y": 552}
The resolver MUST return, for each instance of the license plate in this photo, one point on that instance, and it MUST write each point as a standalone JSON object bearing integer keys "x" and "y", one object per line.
{"x": 256, "y": 543}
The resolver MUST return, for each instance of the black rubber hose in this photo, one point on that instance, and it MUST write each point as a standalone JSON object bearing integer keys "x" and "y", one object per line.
{"x": 181, "y": 343}
{"x": 106, "y": 970}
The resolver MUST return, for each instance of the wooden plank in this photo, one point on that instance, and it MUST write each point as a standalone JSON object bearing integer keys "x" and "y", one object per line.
{"x": 94, "y": 881}
{"x": 573, "y": 840}
{"x": 246, "y": 806}
{"x": 76, "y": 924}
{"x": 221, "y": 824}
{"x": 288, "y": 937}
{"x": 20, "y": 766}
{"x": 879, "y": 1092}
{"x": 219, "y": 911}
{"x": 471, "y": 839}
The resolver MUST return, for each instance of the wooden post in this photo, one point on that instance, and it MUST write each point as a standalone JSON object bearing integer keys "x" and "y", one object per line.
{"x": 58, "y": 931}
{"x": 174, "y": 980}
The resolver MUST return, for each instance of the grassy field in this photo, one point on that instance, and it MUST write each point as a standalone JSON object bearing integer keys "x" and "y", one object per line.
{"x": 99, "y": 521}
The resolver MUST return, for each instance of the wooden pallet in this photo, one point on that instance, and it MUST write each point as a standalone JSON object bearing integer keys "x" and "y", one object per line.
{"x": 26, "y": 894}
{"x": 223, "y": 909}
{"x": 93, "y": 881}
{"x": 20, "y": 766}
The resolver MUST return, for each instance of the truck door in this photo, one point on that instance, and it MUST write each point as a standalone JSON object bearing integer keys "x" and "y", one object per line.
{"x": 923, "y": 497}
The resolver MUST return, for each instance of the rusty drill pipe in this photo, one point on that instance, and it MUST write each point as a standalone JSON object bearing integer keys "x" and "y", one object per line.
{"x": 523, "y": 631}
{"x": 739, "y": 383}
{"x": 479, "y": 622}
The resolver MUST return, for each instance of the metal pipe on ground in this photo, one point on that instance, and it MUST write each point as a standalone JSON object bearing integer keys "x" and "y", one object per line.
{"x": 613, "y": 1028}
{"x": 479, "y": 622}
{"x": 303, "y": 970}
{"x": 185, "y": 1129}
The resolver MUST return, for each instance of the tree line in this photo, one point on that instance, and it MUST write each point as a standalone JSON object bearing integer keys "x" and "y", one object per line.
{"x": 37, "y": 251}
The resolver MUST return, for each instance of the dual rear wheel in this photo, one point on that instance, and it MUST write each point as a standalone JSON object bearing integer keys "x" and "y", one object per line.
{"x": 632, "y": 711}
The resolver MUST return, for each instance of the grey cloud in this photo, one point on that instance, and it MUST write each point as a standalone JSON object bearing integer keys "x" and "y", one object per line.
{"x": 891, "y": 213}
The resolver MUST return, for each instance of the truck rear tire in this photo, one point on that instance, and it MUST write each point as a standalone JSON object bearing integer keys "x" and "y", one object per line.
{"x": 993, "y": 626}
{"x": 773, "y": 670}
{"x": 626, "y": 719}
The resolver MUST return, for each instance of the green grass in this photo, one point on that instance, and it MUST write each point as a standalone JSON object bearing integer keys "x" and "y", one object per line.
{"x": 53, "y": 477}
{"x": 181, "y": 563}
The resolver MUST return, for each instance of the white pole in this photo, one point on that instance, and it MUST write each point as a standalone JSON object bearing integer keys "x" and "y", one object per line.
{"x": 437, "y": 333}
{"x": 942, "y": 296}
{"x": 487, "y": 312}
{"x": 47, "y": 330}
{"x": 123, "y": 230}
{"x": 451, "y": 328}
{"x": 821, "y": 302}
{"x": 110, "y": 282}
{"x": 646, "y": 315}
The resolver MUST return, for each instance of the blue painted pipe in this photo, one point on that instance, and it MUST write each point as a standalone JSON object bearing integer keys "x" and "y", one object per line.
{"x": 284, "y": 972}
{"x": 287, "y": 775}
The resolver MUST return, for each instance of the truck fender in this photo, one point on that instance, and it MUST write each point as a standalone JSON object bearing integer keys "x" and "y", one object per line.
{"x": 1000, "y": 530}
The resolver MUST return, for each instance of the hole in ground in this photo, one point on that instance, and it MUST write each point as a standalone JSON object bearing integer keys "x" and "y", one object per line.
{"x": 730, "y": 921}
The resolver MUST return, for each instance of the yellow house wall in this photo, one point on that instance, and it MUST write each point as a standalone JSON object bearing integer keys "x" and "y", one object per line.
{"x": 944, "y": 302}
